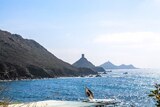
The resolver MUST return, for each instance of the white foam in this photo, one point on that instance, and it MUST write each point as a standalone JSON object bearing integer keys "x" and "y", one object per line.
{"x": 54, "y": 103}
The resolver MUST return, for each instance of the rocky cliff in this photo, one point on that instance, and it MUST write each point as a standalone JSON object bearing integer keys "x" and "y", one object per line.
{"x": 25, "y": 58}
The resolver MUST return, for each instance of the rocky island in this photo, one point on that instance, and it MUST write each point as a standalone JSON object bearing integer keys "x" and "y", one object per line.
{"x": 84, "y": 63}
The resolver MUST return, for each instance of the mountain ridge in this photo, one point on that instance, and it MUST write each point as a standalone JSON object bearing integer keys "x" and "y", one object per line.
{"x": 25, "y": 58}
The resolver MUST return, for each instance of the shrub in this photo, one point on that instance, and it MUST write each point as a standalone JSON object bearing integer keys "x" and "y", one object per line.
{"x": 155, "y": 94}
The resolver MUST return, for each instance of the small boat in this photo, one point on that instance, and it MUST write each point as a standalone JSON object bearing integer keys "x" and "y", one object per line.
{"x": 125, "y": 73}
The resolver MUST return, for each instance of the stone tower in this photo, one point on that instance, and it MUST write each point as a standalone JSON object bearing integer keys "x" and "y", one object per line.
{"x": 82, "y": 55}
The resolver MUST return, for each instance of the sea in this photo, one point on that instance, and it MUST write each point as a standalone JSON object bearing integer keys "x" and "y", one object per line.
{"x": 128, "y": 86}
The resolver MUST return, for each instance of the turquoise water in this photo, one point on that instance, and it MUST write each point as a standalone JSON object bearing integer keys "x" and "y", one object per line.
{"x": 131, "y": 89}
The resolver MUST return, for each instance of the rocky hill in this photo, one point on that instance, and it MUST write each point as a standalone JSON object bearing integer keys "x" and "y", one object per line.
{"x": 109, "y": 65}
{"x": 84, "y": 63}
{"x": 24, "y": 58}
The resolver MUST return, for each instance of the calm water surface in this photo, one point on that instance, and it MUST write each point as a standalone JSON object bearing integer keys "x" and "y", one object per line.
{"x": 131, "y": 89}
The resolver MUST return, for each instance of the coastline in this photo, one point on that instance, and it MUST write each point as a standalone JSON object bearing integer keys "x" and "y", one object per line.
{"x": 29, "y": 79}
{"x": 56, "y": 103}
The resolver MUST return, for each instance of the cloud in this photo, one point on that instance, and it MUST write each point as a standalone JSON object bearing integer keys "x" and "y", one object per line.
{"x": 129, "y": 38}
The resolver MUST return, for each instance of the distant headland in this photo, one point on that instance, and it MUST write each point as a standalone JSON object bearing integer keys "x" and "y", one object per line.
{"x": 109, "y": 65}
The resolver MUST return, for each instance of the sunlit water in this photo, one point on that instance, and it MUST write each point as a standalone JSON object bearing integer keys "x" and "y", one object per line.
{"x": 131, "y": 89}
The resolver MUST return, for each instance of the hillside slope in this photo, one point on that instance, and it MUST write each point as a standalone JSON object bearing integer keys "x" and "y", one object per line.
{"x": 25, "y": 58}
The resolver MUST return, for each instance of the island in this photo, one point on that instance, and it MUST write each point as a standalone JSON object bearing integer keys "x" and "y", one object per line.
{"x": 109, "y": 65}
{"x": 84, "y": 63}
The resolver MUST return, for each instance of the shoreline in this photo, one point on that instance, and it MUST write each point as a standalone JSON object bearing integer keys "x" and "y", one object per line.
{"x": 10, "y": 80}
{"x": 56, "y": 103}
{"x": 27, "y": 79}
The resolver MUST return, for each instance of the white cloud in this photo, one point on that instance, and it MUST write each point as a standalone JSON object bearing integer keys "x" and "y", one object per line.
{"x": 139, "y": 48}
{"x": 130, "y": 39}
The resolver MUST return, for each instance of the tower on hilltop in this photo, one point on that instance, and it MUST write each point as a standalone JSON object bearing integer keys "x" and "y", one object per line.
{"x": 82, "y": 55}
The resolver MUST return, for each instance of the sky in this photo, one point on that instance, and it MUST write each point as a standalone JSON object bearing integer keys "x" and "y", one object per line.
{"x": 120, "y": 31}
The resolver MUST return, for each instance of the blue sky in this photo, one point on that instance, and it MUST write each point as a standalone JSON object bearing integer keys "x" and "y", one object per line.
{"x": 122, "y": 31}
